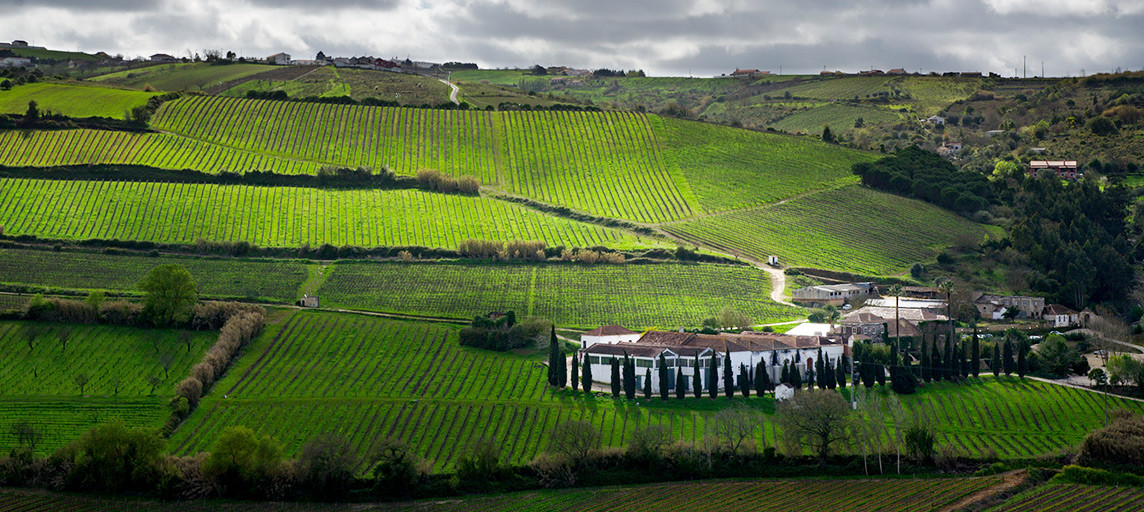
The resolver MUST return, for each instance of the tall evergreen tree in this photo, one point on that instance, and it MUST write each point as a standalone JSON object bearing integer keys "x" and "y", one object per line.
{"x": 925, "y": 363}
{"x": 586, "y": 377}
{"x": 744, "y": 380}
{"x": 728, "y": 376}
{"x": 1007, "y": 364}
{"x": 562, "y": 374}
{"x": 937, "y": 368}
{"x": 784, "y": 377}
{"x": 761, "y": 378}
{"x": 995, "y": 365}
{"x": 680, "y": 383}
{"x": 663, "y": 376}
{"x": 575, "y": 372}
{"x": 795, "y": 379}
{"x": 810, "y": 376}
{"x": 840, "y": 373}
{"x": 713, "y": 376}
{"x": 948, "y": 360}
{"x": 820, "y": 370}
{"x": 553, "y": 356}
{"x": 647, "y": 384}
{"x": 1022, "y": 359}
{"x": 975, "y": 355}
{"x": 866, "y": 370}
{"x": 616, "y": 377}
{"x": 629, "y": 377}
{"x": 964, "y": 360}
{"x": 697, "y": 380}
{"x": 880, "y": 373}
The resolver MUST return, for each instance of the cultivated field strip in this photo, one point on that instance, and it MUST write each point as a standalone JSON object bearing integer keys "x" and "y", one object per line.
{"x": 853, "y": 229}
{"x": 1062, "y": 497}
{"x": 278, "y": 216}
{"x": 602, "y": 163}
{"x": 572, "y": 295}
{"x": 72, "y": 100}
{"x": 276, "y": 280}
{"x": 747, "y": 496}
{"x": 76, "y": 147}
{"x": 64, "y": 419}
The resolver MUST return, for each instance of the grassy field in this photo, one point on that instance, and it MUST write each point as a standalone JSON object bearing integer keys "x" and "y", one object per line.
{"x": 853, "y": 228}
{"x": 182, "y": 76}
{"x": 38, "y": 384}
{"x": 728, "y": 168}
{"x": 74, "y": 147}
{"x": 72, "y": 100}
{"x": 406, "y": 89}
{"x": 1064, "y": 497}
{"x": 278, "y": 216}
{"x": 746, "y": 496}
{"x": 571, "y": 295}
{"x": 271, "y": 280}
{"x": 371, "y": 378}
{"x": 841, "y": 119}
{"x": 605, "y": 164}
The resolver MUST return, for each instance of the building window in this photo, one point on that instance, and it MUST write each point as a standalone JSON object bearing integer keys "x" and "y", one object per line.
{"x": 643, "y": 363}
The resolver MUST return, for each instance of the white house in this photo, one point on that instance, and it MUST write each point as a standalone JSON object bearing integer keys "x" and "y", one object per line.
{"x": 688, "y": 352}
{"x": 15, "y": 62}
{"x": 279, "y": 58}
{"x": 934, "y": 120}
{"x": 836, "y": 294}
{"x": 163, "y": 57}
{"x": 608, "y": 334}
{"x": 1060, "y": 316}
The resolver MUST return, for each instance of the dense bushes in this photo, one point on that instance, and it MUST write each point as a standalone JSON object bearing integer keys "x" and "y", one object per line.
{"x": 431, "y": 180}
{"x": 1121, "y": 444}
{"x": 504, "y": 333}
{"x": 914, "y": 172}
{"x": 242, "y": 326}
{"x": 327, "y": 176}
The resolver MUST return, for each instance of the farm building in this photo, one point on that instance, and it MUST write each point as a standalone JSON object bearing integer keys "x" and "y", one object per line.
{"x": 994, "y": 306}
{"x": 279, "y": 58}
{"x": 1064, "y": 169}
{"x": 749, "y": 72}
{"x": 15, "y": 62}
{"x": 610, "y": 334}
{"x": 896, "y": 71}
{"x": 681, "y": 350}
{"x": 1060, "y": 316}
{"x": 934, "y": 120}
{"x": 878, "y": 322}
{"x": 162, "y": 57}
{"x": 309, "y": 301}
{"x": 834, "y": 294}
{"x": 949, "y": 148}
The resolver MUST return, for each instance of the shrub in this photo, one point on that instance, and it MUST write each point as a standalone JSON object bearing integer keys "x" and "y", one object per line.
{"x": 242, "y": 460}
{"x": 1102, "y": 126}
{"x": 121, "y": 312}
{"x": 429, "y": 179}
{"x": 112, "y": 457}
{"x": 405, "y": 256}
{"x": 480, "y": 249}
{"x": 1119, "y": 444}
{"x": 920, "y": 442}
{"x": 328, "y": 465}
{"x": 396, "y": 469}
{"x": 469, "y": 185}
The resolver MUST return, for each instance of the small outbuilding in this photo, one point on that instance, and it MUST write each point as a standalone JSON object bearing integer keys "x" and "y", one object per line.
{"x": 309, "y": 301}
{"x": 783, "y": 392}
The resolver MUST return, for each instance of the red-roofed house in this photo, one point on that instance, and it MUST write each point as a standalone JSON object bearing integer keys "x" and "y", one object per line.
{"x": 1065, "y": 169}
{"x": 749, "y": 72}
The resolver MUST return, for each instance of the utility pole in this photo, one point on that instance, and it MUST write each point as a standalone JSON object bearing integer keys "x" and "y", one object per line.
{"x": 853, "y": 382}
{"x": 1025, "y": 66}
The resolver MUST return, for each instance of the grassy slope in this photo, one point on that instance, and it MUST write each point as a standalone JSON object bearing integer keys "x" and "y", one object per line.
{"x": 38, "y": 385}
{"x": 853, "y": 229}
{"x": 728, "y": 168}
{"x": 275, "y": 280}
{"x": 841, "y": 119}
{"x": 279, "y": 216}
{"x": 182, "y": 76}
{"x": 745, "y": 496}
{"x": 72, "y": 100}
{"x": 1065, "y": 497}
{"x": 637, "y": 296}
{"x": 406, "y": 89}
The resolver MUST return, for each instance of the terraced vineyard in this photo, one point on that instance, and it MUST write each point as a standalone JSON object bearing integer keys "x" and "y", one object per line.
{"x": 841, "y": 119}
{"x": 183, "y": 76}
{"x": 728, "y": 168}
{"x": 370, "y": 378}
{"x": 1062, "y": 497}
{"x": 38, "y": 384}
{"x": 571, "y": 295}
{"x": 853, "y": 229}
{"x": 72, "y": 100}
{"x": 605, "y": 164}
{"x": 846, "y": 87}
{"x": 72, "y": 147}
{"x": 275, "y": 280}
{"x": 278, "y": 216}
{"x": 745, "y": 496}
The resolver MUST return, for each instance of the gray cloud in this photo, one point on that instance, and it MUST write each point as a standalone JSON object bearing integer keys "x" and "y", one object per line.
{"x": 703, "y": 37}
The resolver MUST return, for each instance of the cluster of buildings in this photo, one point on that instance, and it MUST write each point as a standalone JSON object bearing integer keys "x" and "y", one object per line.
{"x": 17, "y": 62}
{"x": 285, "y": 59}
{"x": 689, "y": 353}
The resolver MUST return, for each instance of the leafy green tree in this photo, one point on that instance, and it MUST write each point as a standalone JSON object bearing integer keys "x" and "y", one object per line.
{"x": 113, "y": 457}
{"x": 169, "y": 294}
{"x": 827, "y": 135}
{"x": 663, "y": 388}
{"x": 818, "y": 419}
{"x": 1102, "y": 126}
{"x": 328, "y": 465}
{"x": 241, "y": 459}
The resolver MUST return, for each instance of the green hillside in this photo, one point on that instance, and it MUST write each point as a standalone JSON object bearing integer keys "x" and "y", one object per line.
{"x": 189, "y": 76}
{"x": 38, "y": 384}
{"x": 404, "y": 88}
{"x": 72, "y": 100}
{"x": 571, "y": 295}
{"x": 853, "y": 229}
{"x": 279, "y": 216}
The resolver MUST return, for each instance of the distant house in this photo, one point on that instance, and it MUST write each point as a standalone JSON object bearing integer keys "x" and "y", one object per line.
{"x": 15, "y": 62}
{"x": 1060, "y": 316}
{"x": 162, "y": 57}
{"x": 387, "y": 65}
{"x": 994, "y": 133}
{"x": 896, "y": 71}
{"x": 934, "y": 120}
{"x": 994, "y": 306}
{"x": 749, "y": 72}
{"x": 830, "y": 73}
{"x": 309, "y": 301}
{"x": 281, "y": 59}
{"x": 949, "y": 149}
{"x": 1064, "y": 169}
{"x": 611, "y": 334}
{"x": 872, "y": 72}
{"x": 810, "y": 329}
{"x": 834, "y": 294}
{"x": 878, "y": 322}
{"x": 19, "y": 43}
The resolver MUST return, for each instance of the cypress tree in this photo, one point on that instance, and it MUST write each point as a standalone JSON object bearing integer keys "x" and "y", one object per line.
{"x": 761, "y": 378}
{"x": 586, "y": 377}
{"x": 795, "y": 379}
{"x": 820, "y": 370}
{"x": 575, "y": 372}
{"x": 894, "y": 354}
{"x": 615, "y": 377}
{"x": 744, "y": 380}
{"x": 662, "y": 376}
{"x": 629, "y": 377}
{"x": 728, "y": 376}
{"x": 1022, "y": 359}
{"x": 562, "y": 372}
{"x": 552, "y": 357}
{"x": 880, "y": 373}
{"x": 784, "y": 377}
{"x": 936, "y": 366}
{"x": 996, "y": 363}
{"x": 866, "y": 369}
{"x": 840, "y": 373}
{"x": 1007, "y": 364}
{"x": 697, "y": 380}
{"x": 810, "y": 376}
{"x": 975, "y": 356}
{"x": 831, "y": 374}
{"x": 647, "y": 384}
{"x": 680, "y": 383}
{"x": 948, "y": 360}
{"x": 964, "y": 360}
{"x": 713, "y": 376}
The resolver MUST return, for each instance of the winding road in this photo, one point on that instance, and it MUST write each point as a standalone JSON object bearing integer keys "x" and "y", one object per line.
{"x": 453, "y": 94}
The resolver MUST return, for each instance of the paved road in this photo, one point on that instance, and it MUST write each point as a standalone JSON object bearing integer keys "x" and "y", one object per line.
{"x": 453, "y": 94}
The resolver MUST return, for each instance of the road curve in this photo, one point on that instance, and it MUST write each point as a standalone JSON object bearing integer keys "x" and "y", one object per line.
{"x": 453, "y": 94}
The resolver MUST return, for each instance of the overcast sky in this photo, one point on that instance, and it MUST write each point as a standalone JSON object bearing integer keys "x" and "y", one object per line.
{"x": 663, "y": 37}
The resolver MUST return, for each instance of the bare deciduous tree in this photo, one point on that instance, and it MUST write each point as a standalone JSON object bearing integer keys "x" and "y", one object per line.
{"x": 166, "y": 360}
{"x": 734, "y": 426}
{"x": 154, "y": 381}
{"x": 574, "y": 440}
{"x": 26, "y": 435}
{"x": 817, "y": 418}
{"x": 81, "y": 380}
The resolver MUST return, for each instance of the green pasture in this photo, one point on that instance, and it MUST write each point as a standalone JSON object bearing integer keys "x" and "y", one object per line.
{"x": 404, "y": 88}
{"x": 179, "y": 76}
{"x": 72, "y": 100}
{"x": 840, "y": 117}
{"x": 280, "y": 216}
